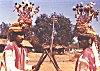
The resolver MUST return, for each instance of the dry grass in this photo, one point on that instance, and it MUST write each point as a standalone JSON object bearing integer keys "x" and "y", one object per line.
{"x": 66, "y": 62}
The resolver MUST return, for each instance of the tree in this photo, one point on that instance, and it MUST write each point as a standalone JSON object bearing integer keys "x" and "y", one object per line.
{"x": 4, "y": 29}
{"x": 62, "y": 32}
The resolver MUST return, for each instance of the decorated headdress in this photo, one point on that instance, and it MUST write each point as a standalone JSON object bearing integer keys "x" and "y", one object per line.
{"x": 83, "y": 18}
{"x": 15, "y": 27}
{"x": 14, "y": 30}
{"x": 92, "y": 4}
{"x": 25, "y": 12}
{"x": 89, "y": 33}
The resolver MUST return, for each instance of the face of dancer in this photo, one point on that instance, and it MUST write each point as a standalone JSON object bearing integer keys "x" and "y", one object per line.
{"x": 19, "y": 39}
{"x": 83, "y": 44}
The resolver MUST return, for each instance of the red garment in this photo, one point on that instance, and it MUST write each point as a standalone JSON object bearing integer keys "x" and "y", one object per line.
{"x": 19, "y": 55}
{"x": 86, "y": 61}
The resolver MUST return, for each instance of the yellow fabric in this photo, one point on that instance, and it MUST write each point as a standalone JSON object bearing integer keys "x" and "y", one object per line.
{"x": 86, "y": 7}
{"x": 91, "y": 31}
{"x": 23, "y": 5}
{"x": 30, "y": 5}
{"x": 15, "y": 29}
{"x": 88, "y": 29}
{"x": 17, "y": 6}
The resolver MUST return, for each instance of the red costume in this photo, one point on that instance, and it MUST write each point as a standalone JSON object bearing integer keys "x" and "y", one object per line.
{"x": 18, "y": 54}
{"x": 86, "y": 61}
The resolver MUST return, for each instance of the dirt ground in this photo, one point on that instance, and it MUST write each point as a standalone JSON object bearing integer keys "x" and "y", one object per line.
{"x": 65, "y": 62}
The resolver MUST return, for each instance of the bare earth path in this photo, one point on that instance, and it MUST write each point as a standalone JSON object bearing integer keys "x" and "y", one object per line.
{"x": 62, "y": 60}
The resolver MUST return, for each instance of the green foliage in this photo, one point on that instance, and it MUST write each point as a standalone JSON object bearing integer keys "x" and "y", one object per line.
{"x": 62, "y": 32}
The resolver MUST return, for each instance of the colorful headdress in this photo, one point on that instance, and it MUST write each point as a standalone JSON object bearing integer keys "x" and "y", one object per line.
{"x": 92, "y": 4}
{"x": 25, "y": 12}
{"x": 90, "y": 33}
{"x": 15, "y": 27}
{"x": 84, "y": 15}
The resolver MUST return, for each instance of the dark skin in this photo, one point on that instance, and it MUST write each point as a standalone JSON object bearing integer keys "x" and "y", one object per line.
{"x": 85, "y": 42}
{"x": 19, "y": 40}
{"x": 16, "y": 37}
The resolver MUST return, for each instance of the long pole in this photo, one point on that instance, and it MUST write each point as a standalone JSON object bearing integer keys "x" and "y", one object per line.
{"x": 54, "y": 20}
{"x": 52, "y": 38}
